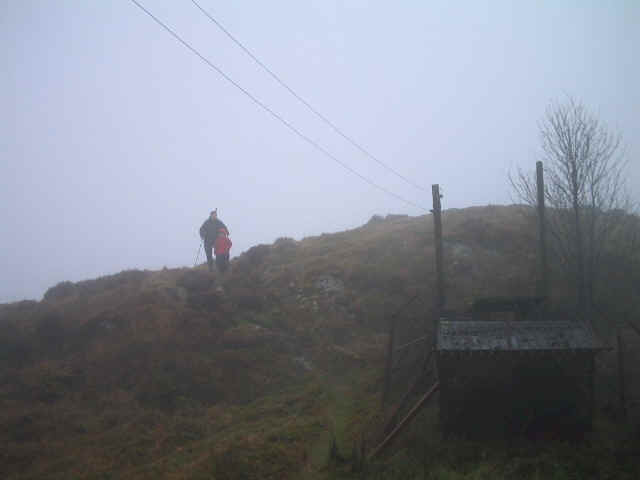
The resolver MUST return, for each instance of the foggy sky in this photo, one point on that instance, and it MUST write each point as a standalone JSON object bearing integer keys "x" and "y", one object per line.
{"x": 117, "y": 141}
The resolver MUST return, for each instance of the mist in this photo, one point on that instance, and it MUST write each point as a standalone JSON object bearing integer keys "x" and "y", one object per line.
{"x": 118, "y": 141}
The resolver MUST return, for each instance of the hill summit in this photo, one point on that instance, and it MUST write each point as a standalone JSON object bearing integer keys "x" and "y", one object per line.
{"x": 271, "y": 370}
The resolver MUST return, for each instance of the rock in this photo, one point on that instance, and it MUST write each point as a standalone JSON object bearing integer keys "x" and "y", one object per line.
{"x": 303, "y": 363}
{"x": 329, "y": 284}
{"x": 459, "y": 251}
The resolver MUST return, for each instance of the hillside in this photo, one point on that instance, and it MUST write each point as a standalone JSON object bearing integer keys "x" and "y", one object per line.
{"x": 273, "y": 370}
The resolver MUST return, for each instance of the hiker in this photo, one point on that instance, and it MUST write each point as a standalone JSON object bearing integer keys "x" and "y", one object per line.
{"x": 210, "y": 230}
{"x": 221, "y": 249}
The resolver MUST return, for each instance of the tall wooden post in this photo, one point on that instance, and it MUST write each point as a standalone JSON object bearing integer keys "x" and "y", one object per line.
{"x": 542, "y": 285}
{"x": 437, "y": 224}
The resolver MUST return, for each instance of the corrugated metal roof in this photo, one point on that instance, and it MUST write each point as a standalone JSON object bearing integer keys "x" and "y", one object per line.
{"x": 515, "y": 336}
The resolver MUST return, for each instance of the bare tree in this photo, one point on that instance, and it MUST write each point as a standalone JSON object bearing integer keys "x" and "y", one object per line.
{"x": 584, "y": 188}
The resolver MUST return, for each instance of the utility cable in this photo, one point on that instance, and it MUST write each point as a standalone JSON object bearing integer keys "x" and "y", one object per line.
{"x": 278, "y": 117}
{"x": 304, "y": 102}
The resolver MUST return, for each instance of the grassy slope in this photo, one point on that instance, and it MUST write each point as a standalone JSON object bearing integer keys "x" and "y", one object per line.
{"x": 274, "y": 375}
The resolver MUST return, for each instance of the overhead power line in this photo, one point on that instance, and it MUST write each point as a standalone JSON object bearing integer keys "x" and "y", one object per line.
{"x": 278, "y": 117}
{"x": 305, "y": 103}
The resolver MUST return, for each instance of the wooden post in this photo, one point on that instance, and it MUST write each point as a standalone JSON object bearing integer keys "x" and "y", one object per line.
{"x": 437, "y": 224}
{"x": 542, "y": 247}
{"x": 621, "y": 383}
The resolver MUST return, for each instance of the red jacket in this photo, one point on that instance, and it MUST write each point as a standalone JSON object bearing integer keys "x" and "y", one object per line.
{"x": 222, "y": 245}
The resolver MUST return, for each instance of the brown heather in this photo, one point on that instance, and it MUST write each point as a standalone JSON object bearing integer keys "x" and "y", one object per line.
{"x": 274, "y": 370}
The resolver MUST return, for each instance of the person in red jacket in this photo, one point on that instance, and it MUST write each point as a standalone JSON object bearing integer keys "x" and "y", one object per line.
{"x": 221, "y": 249}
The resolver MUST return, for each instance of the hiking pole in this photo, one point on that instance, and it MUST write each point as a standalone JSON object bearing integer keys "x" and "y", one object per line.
{"x": 198, "y": 255}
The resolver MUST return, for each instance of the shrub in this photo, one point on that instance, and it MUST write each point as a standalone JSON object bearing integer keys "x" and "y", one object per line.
{"x": 247, "y": 299}
{"x": 51, "y": 332}
{"x": 196, "y": 280}
{"x": 258, "y": 254}
{"x": 14, "y": 348}
{"x": 284, "y": 249}
{"x": 206, "y": 301}
{"x": 110, "y": 282}
{"x": 378, "y": 277}
{"x": 284, "y": 242}
{"x": 99, "y": 285}
{"x": 61, "y": 290}
{"x": 375, "y": 219}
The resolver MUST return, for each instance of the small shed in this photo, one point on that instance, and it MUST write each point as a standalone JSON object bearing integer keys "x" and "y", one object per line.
{"x": 515, "y": 376}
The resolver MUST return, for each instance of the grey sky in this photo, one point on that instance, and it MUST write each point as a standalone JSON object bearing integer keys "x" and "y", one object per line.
{"x": 117, "y": 141}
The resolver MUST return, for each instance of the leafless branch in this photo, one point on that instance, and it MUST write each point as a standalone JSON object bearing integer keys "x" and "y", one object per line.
{"x": 584, "y": 189}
